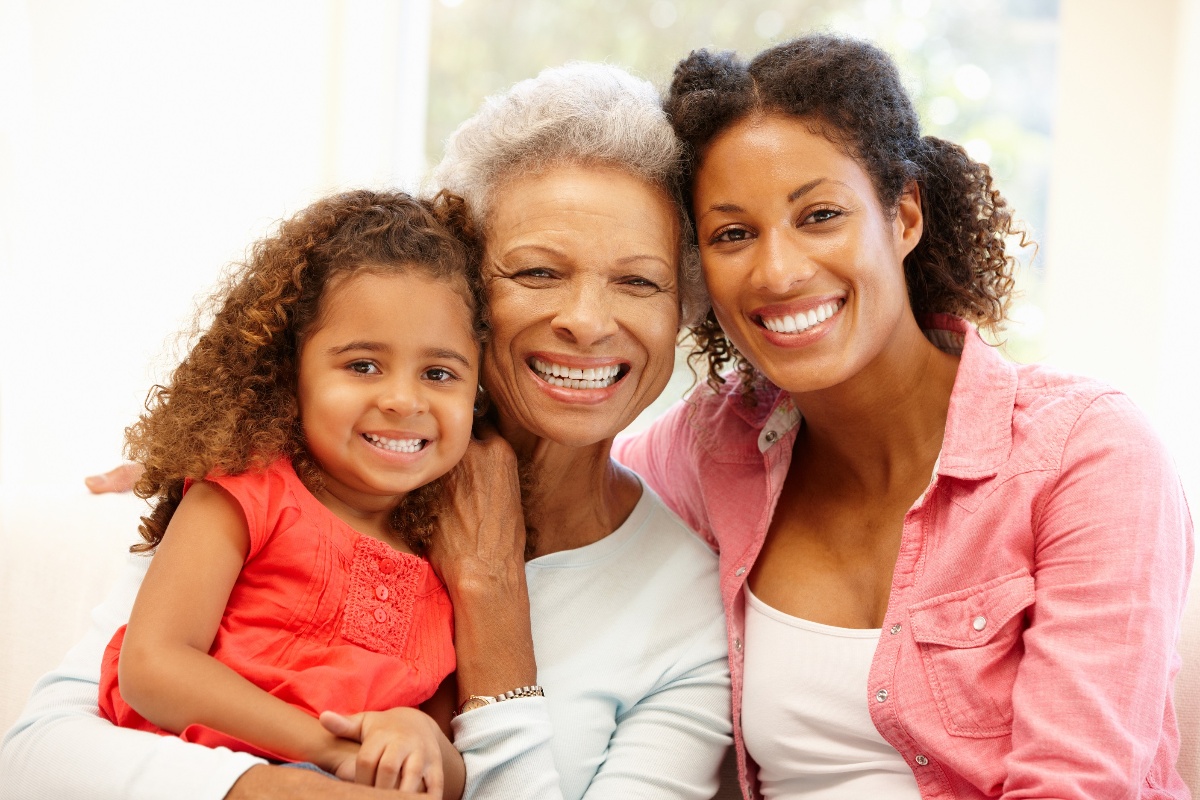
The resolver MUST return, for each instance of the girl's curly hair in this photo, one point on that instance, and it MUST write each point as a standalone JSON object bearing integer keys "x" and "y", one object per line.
{"x": 231, "y": 405}
{"x": 850, "y": 92}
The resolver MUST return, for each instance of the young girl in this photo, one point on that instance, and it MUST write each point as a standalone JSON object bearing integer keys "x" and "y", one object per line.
{"x": 294, "y": 459}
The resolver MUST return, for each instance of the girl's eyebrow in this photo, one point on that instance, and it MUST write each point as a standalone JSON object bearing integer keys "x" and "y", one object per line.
{"x": 379, "y": 347}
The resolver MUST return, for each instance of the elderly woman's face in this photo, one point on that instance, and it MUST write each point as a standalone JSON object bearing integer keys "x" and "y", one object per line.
{"x": 581, "y": 276}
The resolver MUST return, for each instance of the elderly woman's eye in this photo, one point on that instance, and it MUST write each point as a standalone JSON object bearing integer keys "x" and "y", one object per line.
{"x": 641, "y": 282}
{"x": 534, "y": 272}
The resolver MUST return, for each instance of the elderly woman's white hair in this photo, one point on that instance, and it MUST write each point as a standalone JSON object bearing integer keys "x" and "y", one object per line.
{"x": 580, "y": 114}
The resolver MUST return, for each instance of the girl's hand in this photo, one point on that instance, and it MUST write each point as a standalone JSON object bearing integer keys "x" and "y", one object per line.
{"x": 401, "y": 749}
{"x": 481, "y": 531}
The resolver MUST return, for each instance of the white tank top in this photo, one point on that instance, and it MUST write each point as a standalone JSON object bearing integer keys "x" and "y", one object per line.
{"x": 804, "y": 711}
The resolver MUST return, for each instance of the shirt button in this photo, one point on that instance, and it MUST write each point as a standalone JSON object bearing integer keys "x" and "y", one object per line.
{"x": 381, "y": 592}
{"x": 737, "y": 644}
{"x": 771, "y": 437}
{"x": 979, "y": 623}
{"x": 740, "y": 571}
{"x": 895, "y": 629}
{"x": 380, "y": 615}
{"x": 387, "y": 566}
{"x": 921, "y": 761}
{"x": 881, "y": 695}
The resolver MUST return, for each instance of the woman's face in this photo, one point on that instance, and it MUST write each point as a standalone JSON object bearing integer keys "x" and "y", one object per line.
{"x": 581, "y": 276}
{"x": 803, "y": 264}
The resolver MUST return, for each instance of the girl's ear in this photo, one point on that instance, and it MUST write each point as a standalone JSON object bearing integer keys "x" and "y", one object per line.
{"x": 910, "y": 221}
{"x": 481, "y": 401}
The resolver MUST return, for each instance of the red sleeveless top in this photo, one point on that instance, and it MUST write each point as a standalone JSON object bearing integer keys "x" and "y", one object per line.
{"x": 321, "y": 616}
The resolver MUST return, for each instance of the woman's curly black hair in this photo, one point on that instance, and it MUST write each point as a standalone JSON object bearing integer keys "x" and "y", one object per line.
{"x": 231, "y": 405}
{"x": 850, "y": 91}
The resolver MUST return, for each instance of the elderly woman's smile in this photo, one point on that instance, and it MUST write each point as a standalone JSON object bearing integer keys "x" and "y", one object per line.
{"x": 581, "y": 280}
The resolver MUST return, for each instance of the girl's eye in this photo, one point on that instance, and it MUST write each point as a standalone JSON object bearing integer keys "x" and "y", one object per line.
{"x": 364, "y": 367}
{"x": 440, "y": 375}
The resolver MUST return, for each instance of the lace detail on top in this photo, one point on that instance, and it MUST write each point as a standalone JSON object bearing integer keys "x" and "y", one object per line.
{"x": 379, "y": 604}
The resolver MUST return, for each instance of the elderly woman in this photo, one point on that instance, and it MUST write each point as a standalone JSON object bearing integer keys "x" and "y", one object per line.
{"x": 597, "y": 667}
{"x": 945, "y": 575}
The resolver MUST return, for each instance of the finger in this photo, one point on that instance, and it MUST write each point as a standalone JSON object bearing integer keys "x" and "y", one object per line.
{"x": 342, "y": 726}
{"x": 118, "y": 479}
{"x": 367, "y": 763}
{"x": 435, "y": 779}
{"x": 391, "y": 762}
{"x": 412, "y": 773}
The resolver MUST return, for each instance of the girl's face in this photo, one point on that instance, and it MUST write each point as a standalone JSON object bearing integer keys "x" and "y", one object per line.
{"x": 387, "y": 385}
{"x": 803, "y": 264}
{"x": 581, "y": 276}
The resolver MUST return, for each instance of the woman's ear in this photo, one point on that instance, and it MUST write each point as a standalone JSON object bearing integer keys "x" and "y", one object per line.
{"x": 909, "y": 221}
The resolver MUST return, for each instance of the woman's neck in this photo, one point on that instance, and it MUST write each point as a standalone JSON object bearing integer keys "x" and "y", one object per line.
{"x": 574, "y": 496}
{"x": 884, "y": 427}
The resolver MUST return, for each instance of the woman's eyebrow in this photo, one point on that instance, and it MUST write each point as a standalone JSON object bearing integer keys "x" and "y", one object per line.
{"x": 805, "y": 189}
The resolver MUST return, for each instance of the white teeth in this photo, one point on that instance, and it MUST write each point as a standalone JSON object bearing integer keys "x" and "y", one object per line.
{"x": 575, "y": 378}
{"x": 797, "y": 323}
{"x": 395, "y": 445}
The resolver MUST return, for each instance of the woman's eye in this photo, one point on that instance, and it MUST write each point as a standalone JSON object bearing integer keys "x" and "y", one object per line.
{"x": 535, "y": 272}
{"x": 363, "y": 367}
{"x": 732, "y": 235}
{"x": 822, "y": 215}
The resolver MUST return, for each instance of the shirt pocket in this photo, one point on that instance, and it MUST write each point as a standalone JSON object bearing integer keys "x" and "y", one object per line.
{"x": 971, "y": 644}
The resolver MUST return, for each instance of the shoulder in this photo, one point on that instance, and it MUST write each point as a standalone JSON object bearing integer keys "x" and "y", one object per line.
{"x": 663, "y": 530}
{"x": 270, "y": 497}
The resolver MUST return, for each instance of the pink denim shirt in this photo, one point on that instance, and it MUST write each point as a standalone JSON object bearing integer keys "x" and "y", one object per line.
{"x": 1029, "y": 644}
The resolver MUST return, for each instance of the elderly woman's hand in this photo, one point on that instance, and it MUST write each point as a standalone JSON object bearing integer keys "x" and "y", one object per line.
{"x": 117, "y": 479}
{"x": 479, "y": 552}
{"x": 481, "y": 529}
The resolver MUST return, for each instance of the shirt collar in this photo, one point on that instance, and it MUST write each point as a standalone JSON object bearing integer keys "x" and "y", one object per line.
{"x": 978, "y": 436}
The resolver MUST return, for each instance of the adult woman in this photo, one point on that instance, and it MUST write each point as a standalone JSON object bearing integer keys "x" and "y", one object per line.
{"x": 982, "y": 564}
{"x": 573, "y": 175}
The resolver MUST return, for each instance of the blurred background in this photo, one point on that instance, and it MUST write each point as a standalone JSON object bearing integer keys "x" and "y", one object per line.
{"x": 144, "y": 145}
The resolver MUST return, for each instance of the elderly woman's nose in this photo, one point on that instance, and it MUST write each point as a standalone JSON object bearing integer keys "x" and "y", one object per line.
{"x": 585, "y": 314}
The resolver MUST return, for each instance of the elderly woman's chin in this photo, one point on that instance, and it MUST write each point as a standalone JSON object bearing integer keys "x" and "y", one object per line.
{"x": 582, "y": 281}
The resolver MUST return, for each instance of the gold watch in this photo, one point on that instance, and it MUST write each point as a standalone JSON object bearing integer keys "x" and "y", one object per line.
{"x": 480, "y": 700}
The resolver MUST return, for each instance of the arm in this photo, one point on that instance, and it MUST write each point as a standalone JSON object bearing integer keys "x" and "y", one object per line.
{"x": 166, "y": 673}
{"x": 669, "y": 744}
{"x": 1113, "y": 555}
{"x": 62, "y": 747}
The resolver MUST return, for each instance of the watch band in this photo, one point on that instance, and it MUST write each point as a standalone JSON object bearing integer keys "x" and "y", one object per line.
{"x": 480, "y": 700}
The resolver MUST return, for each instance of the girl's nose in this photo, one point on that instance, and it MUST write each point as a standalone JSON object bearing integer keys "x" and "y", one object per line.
{"x": 403, "y": 396}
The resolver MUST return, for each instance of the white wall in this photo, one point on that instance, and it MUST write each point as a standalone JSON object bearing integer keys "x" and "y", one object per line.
{"x": 1123, "y": 266}
{"x": 143, "y": 146}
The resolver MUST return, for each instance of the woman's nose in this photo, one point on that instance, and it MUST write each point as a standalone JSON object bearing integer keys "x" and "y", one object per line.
{"x": 780, "y": 263}
{"x": 585, "y": 314}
